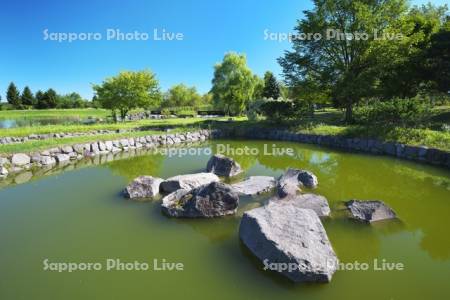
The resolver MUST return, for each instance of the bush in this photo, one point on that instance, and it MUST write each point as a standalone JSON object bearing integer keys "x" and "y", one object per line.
{"x": 186, "y": 113}
{"x": 165, "y": 112}
{"x": 283, "y": 110}
{"x": 253, "y": 111}
{"x": 277, "y": 110}
{"x": 402, "y": 112}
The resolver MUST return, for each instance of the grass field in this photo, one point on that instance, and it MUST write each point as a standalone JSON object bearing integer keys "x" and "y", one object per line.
{"x": 54, "y": 113}
{"x": 325, "y": 122}
{"x": 174, "y": 122}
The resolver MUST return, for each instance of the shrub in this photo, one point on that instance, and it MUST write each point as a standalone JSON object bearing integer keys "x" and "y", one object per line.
{"x": 402, "y": 112}
{"x": 165, "y": 112}
{"x": 186, "y": 113}
{"x": 283, "y": 110}
{"x": 278, "y": 111}
{"x": 253, "y": 111}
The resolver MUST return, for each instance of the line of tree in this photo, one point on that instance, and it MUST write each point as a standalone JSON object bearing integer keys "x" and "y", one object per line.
{"x": 42, "y": 100}
{"x": 348, "y": 70}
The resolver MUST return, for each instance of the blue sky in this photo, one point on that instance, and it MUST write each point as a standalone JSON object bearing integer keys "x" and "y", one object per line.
{"x": 210, "y": 29}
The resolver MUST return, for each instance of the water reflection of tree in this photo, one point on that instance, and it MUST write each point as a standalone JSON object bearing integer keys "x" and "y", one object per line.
{"x": 148, "y": 164}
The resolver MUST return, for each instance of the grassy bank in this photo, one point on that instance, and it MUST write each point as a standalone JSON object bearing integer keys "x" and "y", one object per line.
{"x": 54, "y": 113}
{"x": 324, "y": 122}
{"x": 175, "y": 122}
{"x": 39, "y": 145}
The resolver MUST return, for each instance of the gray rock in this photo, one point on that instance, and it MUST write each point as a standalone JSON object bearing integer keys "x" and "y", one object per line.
{"x": 255, "y": 185}
{"x": 101, "y": 146}
{"x": 60, "y": 157}
{"x": 124, "y": 143}
{"x": 109, "y": 145}
{"x": 370, "y": 211}
{"x": 290, "y": 240}
{"x": 20, "y": 159}
{"x": 143, "y": 187}
{"x": 4, "y": 161}
{"x": 317, "y": 203}
{"x": 187, "y": 181}
{"x": 223, "y": 166}
{"x": 207, "y": 201}
{"x": 291, "y": 181}
{"x": 3, "y": 171}
{"x": 66, "y": 149}
{"x": 47, "y": 160}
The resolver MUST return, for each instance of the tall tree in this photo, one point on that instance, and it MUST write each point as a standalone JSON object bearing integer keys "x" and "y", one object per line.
{"x": 233, "y": 83}
{"x": 13, "y": 96}
{"x": 51, "y": 98}
{"x": 27, "y": 97}
{"x": 410, "y": 66}
{"x": 182, "y": 95}
{"x": 40, "y": 100}
{"x": 339, "y": 67}
{"x": 271, "y": 86}
{"x": 128, "y": 90}
{"x": 258, "y": 89}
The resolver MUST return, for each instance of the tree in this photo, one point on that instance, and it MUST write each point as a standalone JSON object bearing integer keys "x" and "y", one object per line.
{"x": 233, "y": 83}
{"x": 271, "y": 87}
{"x": 182, "y": 95}
{"x": 258, "y": 88}
{"x": 128, "y": 90}
{"x": 50, "y": 98}
{"x": 13, "y": 96}
{"x": 339, "y": 67}
{"x": 437, "y": 59}
{"x": 410, "y": 67}
{"x": 40, "y": 100}
{"x": 27, "y": 97}
{"x": 72, "y": 100}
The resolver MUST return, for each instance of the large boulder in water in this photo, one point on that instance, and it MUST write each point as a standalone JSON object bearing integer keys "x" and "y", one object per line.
{"x": 187, "y": 181}
{"x": 290, "y": 240}
{"x": 370, "y": 211}
{"x": 317, "y": 203}
{"x": 255, "y": 185}
{"x": 223, "y": 166}
{"x": 291, "y": 181}
{"x": 143, "y": 187}
{"x": 207, "y": 201}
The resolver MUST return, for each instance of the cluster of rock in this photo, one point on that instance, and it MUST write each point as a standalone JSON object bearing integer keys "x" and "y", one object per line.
{"x": 58, "y": 135}
{"x": 416, "y": 153}
{"x": 60, "y": 155}
{"x": 286, "y": 230}
{"x": 286, "y": 234}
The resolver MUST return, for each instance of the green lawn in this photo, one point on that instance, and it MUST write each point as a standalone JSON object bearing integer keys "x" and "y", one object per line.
{"x": 50, "y": 143}
{"x": 54, "y": 113}
{"x": 175, "y": 122}
{"x": 325, "y": 122}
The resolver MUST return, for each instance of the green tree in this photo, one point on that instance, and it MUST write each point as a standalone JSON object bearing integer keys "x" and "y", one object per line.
{"x": 335, "y": 66}
{"x": 182, "y": 95}
{"x": 128, "y": 90}
{"x": 271, "y": 86}
{"x": 409, "y": 67}
{"x": 13, "y": 96}
{"x": 51, "y": 98}
{"x": 233, "y": 83}
{"x": 259, "y": 88}
{"x": 72, "y": 100}
{"x": 437, "y": 59}
{"x": 40, "y": 100}
{"x": 27, "y": 97}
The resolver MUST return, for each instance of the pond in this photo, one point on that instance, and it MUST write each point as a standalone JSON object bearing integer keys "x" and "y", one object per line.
{"x": 80, "y": 216}
{"x": 40, "y": 121}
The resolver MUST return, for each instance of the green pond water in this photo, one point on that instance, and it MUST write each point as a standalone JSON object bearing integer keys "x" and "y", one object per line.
{"x": 80, "y": 216}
